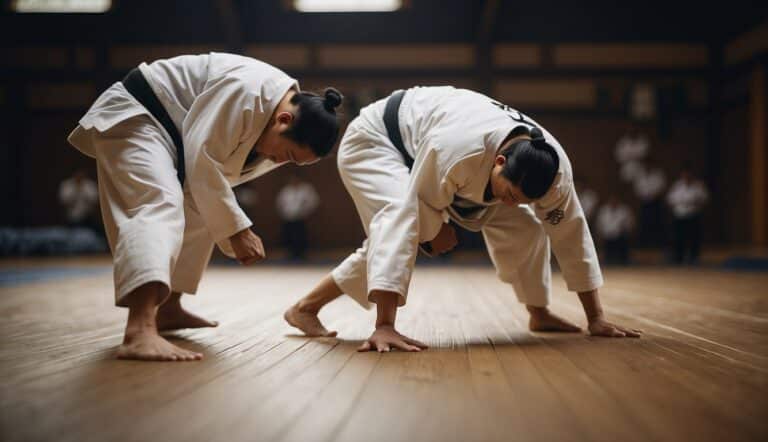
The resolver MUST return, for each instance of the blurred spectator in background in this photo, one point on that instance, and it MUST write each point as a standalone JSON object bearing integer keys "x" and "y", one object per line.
{"x": 295, "y": 202}
{"x": 630, "y": 151}
{"x": 588, "y": 199}
{"x": 614, "y": 224}
{"x": 649, "y": 187}
{"x": 687, "y": 198}
{"x": 80, "y": 196}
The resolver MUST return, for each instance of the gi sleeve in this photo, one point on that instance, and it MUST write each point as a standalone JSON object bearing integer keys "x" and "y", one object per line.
{"x": 396, "y": 230}
{"x": 563, "y": 219}
{"x": 219, "y": 118}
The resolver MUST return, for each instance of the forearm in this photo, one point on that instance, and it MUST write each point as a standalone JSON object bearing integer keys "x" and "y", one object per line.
{"x": 572, "y": 244}
{"x": 590, "y": 300}
{"x": 386, "y": 307}
{"x": 221, "y": 213}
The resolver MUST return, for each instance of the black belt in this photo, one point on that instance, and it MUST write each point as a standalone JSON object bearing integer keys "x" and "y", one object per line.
{"x": 137, "y": 85}
{"x": 392, "y": 123}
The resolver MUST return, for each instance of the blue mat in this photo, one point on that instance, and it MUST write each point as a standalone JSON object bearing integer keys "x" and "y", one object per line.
{"x": 11, "y": 277}
{"x": 746, "y": 263}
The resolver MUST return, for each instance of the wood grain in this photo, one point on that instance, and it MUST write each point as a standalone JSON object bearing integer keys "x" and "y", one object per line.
{"x": 699, "y": 373}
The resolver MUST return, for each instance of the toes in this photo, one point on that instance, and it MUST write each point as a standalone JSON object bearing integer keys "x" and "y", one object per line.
{"x": 331, "y": 334}
{"x": 416, "y": 343}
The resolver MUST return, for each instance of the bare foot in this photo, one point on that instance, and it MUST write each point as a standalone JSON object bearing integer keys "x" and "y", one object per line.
{"x": 172, "y": 316}
{"x": 546, "y": 321}
{"x": 149, "y": 346}
{"x": 308, "y": 322}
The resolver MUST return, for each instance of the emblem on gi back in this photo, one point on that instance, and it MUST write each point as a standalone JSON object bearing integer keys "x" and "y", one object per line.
{"x": 555, "y": 216}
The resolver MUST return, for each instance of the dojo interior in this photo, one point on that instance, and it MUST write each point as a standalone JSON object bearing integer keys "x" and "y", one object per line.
{"x": 692, "y": 78}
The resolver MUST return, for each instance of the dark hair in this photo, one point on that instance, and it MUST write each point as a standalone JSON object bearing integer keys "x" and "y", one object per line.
{"x": 316, "y": 123}
{"x": 530, "y": 164}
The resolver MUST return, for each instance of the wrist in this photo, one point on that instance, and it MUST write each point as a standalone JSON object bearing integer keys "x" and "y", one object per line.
{"x": 592, "y": 306}
{"x": 385, "y": 324}
{"x": 593, "y": 317}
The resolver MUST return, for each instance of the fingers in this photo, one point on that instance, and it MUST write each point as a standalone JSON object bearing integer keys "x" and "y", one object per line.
{"x": 402, "y": 345}
{"x": 249, "y": 260}
{"x": 631, "y": 332}
{"x": 254, "y": 256}
{"x": 624, "y": 332}
{"x": 416, "y": 343}
{"x": 260, "y": 248}
{"x": 386, "y": 347}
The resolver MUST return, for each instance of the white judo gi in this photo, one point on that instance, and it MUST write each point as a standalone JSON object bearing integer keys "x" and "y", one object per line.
{"x": 157, "y": 230}
{"x": 453, "y": 136}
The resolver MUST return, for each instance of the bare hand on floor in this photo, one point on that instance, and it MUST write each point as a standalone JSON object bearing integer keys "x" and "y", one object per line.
{"x": 385, "y": 337}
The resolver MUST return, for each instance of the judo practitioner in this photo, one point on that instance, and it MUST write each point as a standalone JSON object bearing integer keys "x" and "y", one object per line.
{"x": 170, "y": 141}
{"x": 428, "y": 155}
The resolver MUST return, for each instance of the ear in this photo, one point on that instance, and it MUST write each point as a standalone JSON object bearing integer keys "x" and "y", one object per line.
{"x": 500, "y": 160}
{"x": 284, "y": 118}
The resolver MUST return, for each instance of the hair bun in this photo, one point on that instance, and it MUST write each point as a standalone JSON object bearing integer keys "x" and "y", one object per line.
{"x": 332, "y": 99}
{"x": 536, "y": 133}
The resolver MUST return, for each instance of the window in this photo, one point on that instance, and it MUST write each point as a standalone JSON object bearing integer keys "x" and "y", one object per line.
{"x": 61, "y": 6}
{"x": 347, "y": 5}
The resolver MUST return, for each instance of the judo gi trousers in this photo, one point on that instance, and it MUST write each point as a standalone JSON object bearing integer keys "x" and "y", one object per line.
{"x": 153, "y": 228}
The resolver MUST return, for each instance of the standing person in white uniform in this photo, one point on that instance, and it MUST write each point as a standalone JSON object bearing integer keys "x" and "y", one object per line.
{"x": 687, "y": 198}
{"x": 479, "y": 163}
{"x": 295, "y": 202}
{"x": 630, "y": 151}
{"x": 614, "y": 224}
{"x": 170, "y": 141}
{"x": 80, "y": 198}
{"x": 588, "y": 199}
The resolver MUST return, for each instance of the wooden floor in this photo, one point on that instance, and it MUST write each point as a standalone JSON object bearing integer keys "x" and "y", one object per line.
{"x": 700, "y": 373}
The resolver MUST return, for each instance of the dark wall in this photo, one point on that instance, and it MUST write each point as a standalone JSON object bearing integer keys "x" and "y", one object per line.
{"x": 735, "y": 190}
{"x": 53, "y": 66}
